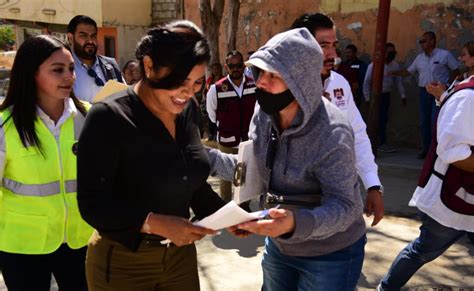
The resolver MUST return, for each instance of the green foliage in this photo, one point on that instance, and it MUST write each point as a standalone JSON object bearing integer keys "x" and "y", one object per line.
{"x": 7, "y": 37}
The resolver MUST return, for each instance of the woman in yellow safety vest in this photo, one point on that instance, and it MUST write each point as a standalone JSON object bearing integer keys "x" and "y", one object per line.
{"x": 41, "y": 230}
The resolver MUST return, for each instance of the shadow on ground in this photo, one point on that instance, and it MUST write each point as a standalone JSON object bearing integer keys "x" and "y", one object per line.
{"x": 246, "y": 247}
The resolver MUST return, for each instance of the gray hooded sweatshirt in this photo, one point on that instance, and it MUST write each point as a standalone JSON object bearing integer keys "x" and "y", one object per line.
{"x": 315, "y": 155}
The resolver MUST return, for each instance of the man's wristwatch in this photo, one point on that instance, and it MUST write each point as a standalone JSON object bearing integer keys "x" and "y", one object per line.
{"x": 378, "y": 188}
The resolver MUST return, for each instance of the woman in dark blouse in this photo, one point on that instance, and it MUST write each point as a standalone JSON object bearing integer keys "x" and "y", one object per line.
{"x": 141, "y": 166}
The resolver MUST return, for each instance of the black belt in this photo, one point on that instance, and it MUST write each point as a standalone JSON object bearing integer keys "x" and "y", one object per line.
{"x": 154, "y": 241}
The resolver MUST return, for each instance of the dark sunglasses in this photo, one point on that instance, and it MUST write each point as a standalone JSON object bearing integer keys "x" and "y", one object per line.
{"x": 422, "y": 41}
{"x": 93, "y": 74}
{"x": 235, "y": 66}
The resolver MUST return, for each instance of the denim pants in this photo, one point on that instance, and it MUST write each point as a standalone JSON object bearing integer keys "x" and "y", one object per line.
{"x": 434, "y": 239}
{"x": 427, "y": 116}
{"x": 337, "y": 271}
{"x": 383, "y": 117}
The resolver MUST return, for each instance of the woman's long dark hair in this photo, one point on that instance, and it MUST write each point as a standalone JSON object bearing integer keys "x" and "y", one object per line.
{"x": 22, "y": 93}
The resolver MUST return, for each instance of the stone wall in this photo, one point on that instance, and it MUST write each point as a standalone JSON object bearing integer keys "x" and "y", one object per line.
{"x": 164, "y": 10}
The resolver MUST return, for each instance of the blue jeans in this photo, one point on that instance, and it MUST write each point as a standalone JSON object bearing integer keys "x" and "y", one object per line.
{"x": 434, "y": 239}
{"x": 383, "y": 117}
{"x": 427, "y": 116}
{"x": 337, "y": 271}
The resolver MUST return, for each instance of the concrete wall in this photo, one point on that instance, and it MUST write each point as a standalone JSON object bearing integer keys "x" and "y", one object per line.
{"x": 453, "y": 25}
{"x": 356, "y": 23}
{"x": 128, "y": 37}
{"x": 258, "y": 20}
{"x": 33, "y": 10}
{"x": 126, "y": 12}
{"x": 349, "y": 6}
{"x": 131, "y": 19}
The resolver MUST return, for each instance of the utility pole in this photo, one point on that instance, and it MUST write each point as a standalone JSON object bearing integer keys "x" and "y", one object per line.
{"x": 377, "y": 72}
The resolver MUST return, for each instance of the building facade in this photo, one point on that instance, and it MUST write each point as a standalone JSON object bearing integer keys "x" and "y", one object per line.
{"x": 452, "y": 21}
{"x": 121, "y": 23}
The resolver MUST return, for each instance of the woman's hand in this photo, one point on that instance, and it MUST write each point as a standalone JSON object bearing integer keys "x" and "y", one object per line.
{"x": 281, "y": 221}
{"x": 177, "y": 229}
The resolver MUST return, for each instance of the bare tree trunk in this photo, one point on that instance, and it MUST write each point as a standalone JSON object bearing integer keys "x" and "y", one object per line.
{"x": 377, "y": 73}
{"x": 234, "y": 7}
{"x": 211, "y": 20}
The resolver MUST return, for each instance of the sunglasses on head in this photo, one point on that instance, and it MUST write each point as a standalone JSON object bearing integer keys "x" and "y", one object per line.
{"x": 235, "y": 66}
{"x": 93, "y": 74}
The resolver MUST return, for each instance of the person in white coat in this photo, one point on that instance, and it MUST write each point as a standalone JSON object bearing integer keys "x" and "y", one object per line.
{"x": 338, "y": 91}
{"x": 445, "y": 189}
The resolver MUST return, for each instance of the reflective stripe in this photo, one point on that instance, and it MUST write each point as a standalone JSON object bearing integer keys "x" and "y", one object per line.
{"x": 2, "y": 136}
{"x": 79, "y": 120}
{"x": 226, "y": 94}
{"x": 70, "y": 186}
{"x": 249, "y": 91}
{"x": 465, "y": 196}
{"x": 32, "y": 189}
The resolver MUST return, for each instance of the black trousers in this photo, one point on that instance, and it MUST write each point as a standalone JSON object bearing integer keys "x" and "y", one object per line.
{"x": 33, "y": 272}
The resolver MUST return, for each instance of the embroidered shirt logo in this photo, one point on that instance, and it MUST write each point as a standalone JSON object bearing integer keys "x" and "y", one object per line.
{"x": 224, "y": 87}
{"x": 339, "y": 96}
{"x": 338, "y": 93}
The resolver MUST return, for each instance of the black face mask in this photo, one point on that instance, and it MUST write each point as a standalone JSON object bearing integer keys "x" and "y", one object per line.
{"x": 391, "y": 56}
{"x": 273, "y": 103}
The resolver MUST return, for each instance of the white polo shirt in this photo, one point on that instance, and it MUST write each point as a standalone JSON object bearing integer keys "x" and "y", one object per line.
{"x": 337, "y": 89}
{"x": 433, "y": 68}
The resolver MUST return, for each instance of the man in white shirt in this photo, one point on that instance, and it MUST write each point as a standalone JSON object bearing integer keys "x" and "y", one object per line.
{"x": 338, "y": 91}
{"x": 387, "y": 86}
{"x": 230, "y": 103}
{"x": 92, "y": 70}
{"x": 433, "y": 64}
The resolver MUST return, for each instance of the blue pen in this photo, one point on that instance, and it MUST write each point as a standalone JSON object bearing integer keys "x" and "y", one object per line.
{"x": 264, "y": 213}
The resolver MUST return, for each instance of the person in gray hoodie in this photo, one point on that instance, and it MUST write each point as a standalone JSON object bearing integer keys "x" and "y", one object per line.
{"x": 304, "y": 147}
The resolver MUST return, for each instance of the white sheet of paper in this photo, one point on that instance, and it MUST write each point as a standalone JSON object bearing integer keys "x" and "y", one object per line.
{"x": 253, "y": 185}
{"x": 229, "y": 215}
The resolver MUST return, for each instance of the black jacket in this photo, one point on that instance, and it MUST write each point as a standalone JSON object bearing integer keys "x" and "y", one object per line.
{"x": 129, "y": 165}
{"x": 110, "y": 68}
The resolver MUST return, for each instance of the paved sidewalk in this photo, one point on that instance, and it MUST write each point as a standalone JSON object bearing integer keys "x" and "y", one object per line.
{"x": 232, "y": 264}
{"x": 399, "y": 173}
{"x": 227, "y": 263}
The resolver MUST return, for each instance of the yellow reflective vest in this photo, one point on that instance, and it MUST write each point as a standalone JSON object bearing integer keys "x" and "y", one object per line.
{"x": 38, "y": 205}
